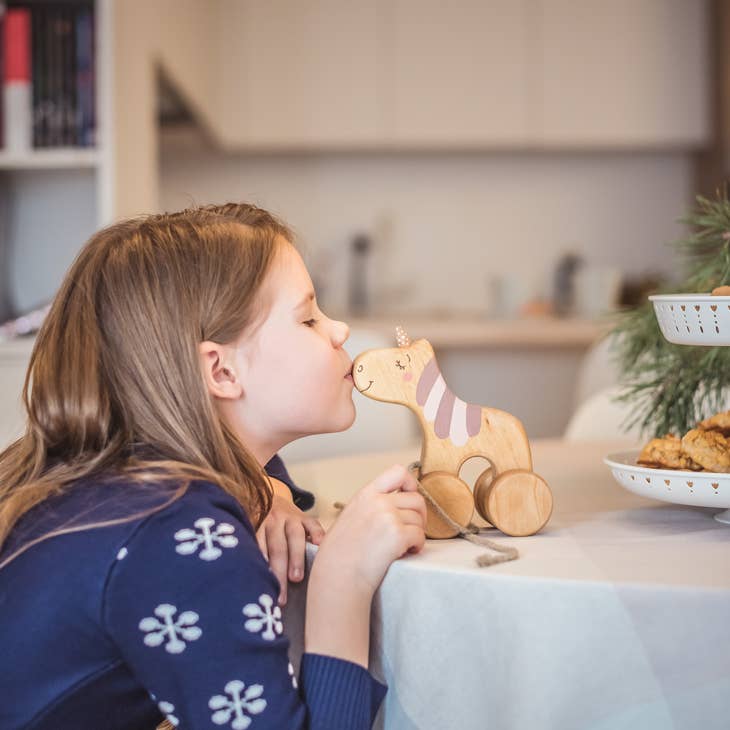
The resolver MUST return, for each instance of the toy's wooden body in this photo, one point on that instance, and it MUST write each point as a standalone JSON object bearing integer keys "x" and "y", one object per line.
{"x": 509, "y": 494}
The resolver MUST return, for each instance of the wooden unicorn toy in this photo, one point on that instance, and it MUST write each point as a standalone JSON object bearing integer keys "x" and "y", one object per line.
{"x": 508, "y": 494}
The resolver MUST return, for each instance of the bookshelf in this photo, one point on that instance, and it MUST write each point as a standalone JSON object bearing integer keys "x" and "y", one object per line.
{"x": 53, "y": 198}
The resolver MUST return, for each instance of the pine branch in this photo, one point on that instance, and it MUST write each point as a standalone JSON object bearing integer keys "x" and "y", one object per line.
{"x": 671, "y": 387}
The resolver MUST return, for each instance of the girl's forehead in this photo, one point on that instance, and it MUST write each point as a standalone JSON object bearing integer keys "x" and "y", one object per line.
{"x": 289, "y": 276}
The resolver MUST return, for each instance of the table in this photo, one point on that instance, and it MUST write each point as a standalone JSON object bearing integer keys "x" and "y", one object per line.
{"x": 616, "y": 615}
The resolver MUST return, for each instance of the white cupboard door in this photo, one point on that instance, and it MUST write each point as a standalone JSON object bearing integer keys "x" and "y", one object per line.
{"x": 298, "y": 74}
{"x": 623, "y": 73}
{"x": 459, "y": 72}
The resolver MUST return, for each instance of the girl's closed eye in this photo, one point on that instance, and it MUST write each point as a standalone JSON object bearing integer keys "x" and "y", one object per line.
{"x": 310, "y": 322}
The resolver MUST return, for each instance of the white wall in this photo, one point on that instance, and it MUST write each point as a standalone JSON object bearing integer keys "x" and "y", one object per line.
{"x": 437, "y": 219}
{"x": 40, "y": 236}
{"x": 445, "y": 222}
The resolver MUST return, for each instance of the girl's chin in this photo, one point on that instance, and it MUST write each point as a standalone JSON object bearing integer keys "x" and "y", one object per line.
{"x": 348, "y": 418}
{"x": 340, "y": 421}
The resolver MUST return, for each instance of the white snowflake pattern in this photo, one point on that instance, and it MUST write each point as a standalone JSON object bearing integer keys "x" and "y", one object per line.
{"x": 166, "y": 626}
{"x": 167, "y": 708}
{"x": 293, "y": 677}
{"x": 190, "y": 540}
{"x": 265, "y": 616}
{"x": 237, "y": 705}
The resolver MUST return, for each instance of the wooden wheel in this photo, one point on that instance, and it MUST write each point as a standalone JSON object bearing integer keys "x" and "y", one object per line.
{"x": 453, "y": 496}
{"x": 481, "y": 488}
{"x": 518, "y": 502}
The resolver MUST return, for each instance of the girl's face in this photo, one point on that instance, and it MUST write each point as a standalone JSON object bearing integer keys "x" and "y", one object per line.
{"x": 295, "y": 376}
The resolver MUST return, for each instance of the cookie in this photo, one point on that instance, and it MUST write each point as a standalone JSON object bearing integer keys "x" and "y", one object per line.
{"x": 666, "y": 453}
{"x": 720, "y": 422}
{"x": 710, "y": 449}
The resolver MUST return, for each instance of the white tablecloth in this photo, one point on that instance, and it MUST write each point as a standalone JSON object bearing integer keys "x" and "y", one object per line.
{"x": 617, "y": 615}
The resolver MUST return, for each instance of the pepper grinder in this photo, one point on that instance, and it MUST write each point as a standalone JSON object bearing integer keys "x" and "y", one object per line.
{"x": 564, "y": 284}
{"x": 359, "y": 292}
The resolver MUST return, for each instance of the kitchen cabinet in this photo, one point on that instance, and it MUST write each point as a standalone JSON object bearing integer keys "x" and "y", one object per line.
{"x": 460, "y": 73}
{"x": 418, "y": 74}
{"x": 299, "y": 74}
{"x": 490, "y": 74}
{"x": 623, "y": 73}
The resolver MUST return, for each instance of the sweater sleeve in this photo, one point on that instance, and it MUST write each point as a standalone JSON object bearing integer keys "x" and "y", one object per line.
{"x": 191, "y": 604}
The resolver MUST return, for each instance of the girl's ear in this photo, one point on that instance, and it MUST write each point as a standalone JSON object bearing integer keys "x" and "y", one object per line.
{"x": 216, "y": 363}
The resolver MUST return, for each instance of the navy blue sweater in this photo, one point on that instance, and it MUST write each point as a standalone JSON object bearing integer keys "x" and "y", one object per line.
{"x": 171, "y": 614}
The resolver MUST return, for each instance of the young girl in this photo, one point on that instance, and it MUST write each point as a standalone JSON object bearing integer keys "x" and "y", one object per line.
{"x": 181, "y": 352}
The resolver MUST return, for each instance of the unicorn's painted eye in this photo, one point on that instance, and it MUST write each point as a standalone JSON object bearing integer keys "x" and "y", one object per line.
{"x": 402, "y": 367}
{"x": 359, "y": 368}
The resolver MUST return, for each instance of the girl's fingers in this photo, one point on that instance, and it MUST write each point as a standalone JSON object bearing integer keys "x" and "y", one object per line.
{"x": 314, "y": 529}
{"x": 412, "y": 517}
{"x": 411, "y": 501}
{"x": 278, "y": 556}
{"x": 396, "y": 478}
{"x": 296, "y": 541}
{"x": 261, "y": 540}
{"x": 415, "y": 539}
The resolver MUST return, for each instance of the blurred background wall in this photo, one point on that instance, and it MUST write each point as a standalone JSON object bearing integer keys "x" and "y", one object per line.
{"x": 493, "y": 155}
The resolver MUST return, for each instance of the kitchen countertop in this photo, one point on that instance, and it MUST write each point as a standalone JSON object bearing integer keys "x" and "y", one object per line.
{"x": 16, "y": 350}
{"x": 471, "y": 331}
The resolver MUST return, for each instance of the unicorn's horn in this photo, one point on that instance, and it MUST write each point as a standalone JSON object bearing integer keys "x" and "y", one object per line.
{"x": 401, "y": 337}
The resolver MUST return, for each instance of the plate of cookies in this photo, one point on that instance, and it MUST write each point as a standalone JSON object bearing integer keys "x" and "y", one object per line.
{"x": 693, "y": 469}
{"x": 694, "y": 319}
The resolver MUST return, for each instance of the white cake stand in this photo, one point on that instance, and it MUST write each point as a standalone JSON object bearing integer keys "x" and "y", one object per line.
{"x": 696, "y": 488}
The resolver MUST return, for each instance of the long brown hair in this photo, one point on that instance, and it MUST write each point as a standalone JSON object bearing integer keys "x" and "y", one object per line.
{"x": 115, "y": 363}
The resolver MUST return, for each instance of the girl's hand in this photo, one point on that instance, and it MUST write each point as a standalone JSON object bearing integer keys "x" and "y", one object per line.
{"x": 381, "y": 523}
{"x": 282, "y": 538}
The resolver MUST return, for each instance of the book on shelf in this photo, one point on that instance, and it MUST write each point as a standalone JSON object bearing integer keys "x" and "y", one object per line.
{"x": 2, "y": 70}
{"x": 53, "y": 42}
{"x": 16, "y": 80}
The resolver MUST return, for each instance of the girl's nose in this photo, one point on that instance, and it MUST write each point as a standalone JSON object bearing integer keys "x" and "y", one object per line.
{"x": 340, "y": 333}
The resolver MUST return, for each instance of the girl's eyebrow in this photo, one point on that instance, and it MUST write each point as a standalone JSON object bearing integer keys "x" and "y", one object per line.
{"x": 307, "y": 298}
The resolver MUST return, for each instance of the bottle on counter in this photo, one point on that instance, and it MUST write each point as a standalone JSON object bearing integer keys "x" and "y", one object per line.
{"x": 564, "y": 284}
{"x": 360, "y": 283}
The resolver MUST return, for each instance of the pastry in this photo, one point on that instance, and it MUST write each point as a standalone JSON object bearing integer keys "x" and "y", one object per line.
{"x": 666, "y": 453}
{"x": 721, "y": 291}
{"x": 708, "y": 448}
{"x": 720, "y": 422}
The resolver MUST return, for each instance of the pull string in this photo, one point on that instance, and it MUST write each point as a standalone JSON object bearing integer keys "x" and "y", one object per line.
{"x": 500, "y": 554}
{"x": 504, "y": 553}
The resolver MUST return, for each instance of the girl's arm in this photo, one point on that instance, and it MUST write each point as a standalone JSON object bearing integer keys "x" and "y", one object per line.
{"x": 191, "y": 605}
{"x": 382, "y": 522}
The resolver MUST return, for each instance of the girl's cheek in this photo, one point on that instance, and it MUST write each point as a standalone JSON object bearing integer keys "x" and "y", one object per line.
{"x": 407, "y": 376}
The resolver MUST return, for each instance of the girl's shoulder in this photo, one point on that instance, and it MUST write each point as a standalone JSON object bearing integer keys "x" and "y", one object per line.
{"x": 95, "y": 515}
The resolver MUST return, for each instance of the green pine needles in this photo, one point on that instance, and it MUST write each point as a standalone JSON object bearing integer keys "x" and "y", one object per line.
{"x": 672, "y": 387}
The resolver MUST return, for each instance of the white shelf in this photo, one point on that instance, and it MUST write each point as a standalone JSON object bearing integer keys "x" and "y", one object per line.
{"x": 50, "y": 159}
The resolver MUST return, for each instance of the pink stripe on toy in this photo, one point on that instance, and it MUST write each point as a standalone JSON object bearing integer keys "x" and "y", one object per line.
{"x": 442, "y": 426}
{"x": 473, "y": 419}
{"x": 426, "y": 381}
